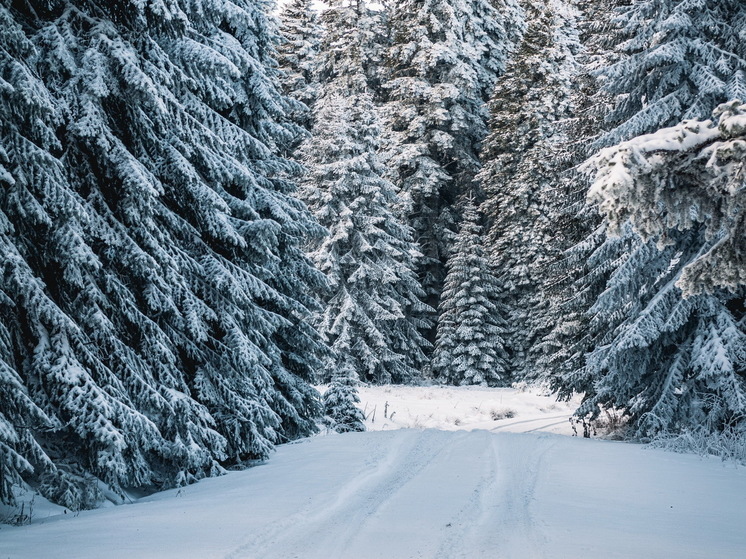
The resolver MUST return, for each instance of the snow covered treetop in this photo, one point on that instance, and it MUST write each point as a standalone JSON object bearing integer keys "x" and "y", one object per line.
{"x": 687, "y": 176}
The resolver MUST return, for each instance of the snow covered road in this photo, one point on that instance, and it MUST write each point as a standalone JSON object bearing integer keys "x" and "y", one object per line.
{"x": 424, "y": 494}
{"x": 427, "y": 494}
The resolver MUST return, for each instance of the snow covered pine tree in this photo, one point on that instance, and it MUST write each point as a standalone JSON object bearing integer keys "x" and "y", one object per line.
{"x": 442, "y": 66}
{"x": 154, "y": 289}
{"x": 469, "y": 347}
{"x": 524, "y": 157}
{"x": 686, "y": 178}
{"x": 296, "y": 56}
{"x": 371, "y": 314}
{"x": 27, "y": 124}
{"x": 679, "y": 60}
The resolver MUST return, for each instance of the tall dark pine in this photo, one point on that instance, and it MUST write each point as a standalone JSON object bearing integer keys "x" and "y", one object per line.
{"x": 575, "y": 279}
{"x": 28, "y": 125}
{"x": 373, "y": 313}
{"x": 300, "y": 36}
{"x": 526, "y": 158}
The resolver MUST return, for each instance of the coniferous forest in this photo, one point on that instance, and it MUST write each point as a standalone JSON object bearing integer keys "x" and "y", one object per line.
{"x": 208, "y": 207}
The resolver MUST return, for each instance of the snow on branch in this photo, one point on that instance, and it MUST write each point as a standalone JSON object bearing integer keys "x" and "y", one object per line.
{"x": 689, "y": 176}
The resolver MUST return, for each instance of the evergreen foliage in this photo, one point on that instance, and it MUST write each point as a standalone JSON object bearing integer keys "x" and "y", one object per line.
{"x": 160, "y": 314}
{"x": 469, "y": 347}
{"x": 677, "y": 60}
{"x": 671, "y": 363}
{"x": 155, "y": 292}
{"x": 681, "y": 187}
{"x": 572, "y": 281}
{"x": 340, "y": 411}
{"x": 373, "y": 312}
{"x": 526, "y": 154}
{"x": 674, "y": 180}
{"x": 442, "y": 66}
{"x": 27, "y": 124}
{"x": 300, "y": 35}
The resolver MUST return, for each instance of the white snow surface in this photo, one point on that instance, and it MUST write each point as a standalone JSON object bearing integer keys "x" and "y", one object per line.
{"x": 453, "y": 408}
{"x": 479, "y": 492}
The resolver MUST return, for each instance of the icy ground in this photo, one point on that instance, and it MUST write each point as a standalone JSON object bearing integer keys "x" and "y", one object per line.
{"x": 427, "y": 493}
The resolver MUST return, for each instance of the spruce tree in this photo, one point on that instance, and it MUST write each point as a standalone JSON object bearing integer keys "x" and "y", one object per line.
{"x": 680, "y": 187}
{"x": 442, "y": 66}
{"x": 670, "y": 363}
{"x": 341, "y": 413}
{"x": 674, "y": 60}
{"x": 28, "y": 123}
{"x": 372, "y": 315}
{"x": 686, "y": 177}
{"x": 678, "y": 60}
{"x": 301, "y": 35}
{"x": 157, "y": 306}
{"x": 577, "y": 277}
{"x": 525, "y": 157}
{"x": 469, "y": 347}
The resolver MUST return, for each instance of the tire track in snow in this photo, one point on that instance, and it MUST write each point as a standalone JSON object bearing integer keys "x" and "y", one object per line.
{"x": 548, "y": 421}
{"x": 340, "y": 528}
{"x": 518, "y": 535}
{"x": 497, "y": 522}
{"x": 325, "y": 530}
{"x": 462, "y": 526}
{"x": 542, "y": 427}
{"x": 383, "y": 454}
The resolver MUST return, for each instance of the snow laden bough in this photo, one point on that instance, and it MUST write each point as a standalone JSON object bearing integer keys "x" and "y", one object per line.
{"x": 677, "y": 179}
{"x": 677, "y": 359}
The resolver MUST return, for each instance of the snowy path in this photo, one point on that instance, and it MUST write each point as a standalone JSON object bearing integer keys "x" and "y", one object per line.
{"x": 479, "y": 496}
{"x": 424, "y": 494}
